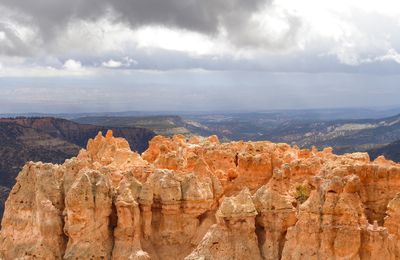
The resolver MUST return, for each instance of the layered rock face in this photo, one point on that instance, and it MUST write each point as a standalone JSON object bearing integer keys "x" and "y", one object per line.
{"x": 198, "y": 198}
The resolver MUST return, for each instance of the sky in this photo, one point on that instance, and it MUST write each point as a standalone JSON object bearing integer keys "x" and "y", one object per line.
{"x": 167, "y": 55}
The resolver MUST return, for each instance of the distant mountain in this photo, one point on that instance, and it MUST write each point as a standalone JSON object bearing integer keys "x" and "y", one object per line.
{"x": 50, "y": 140}
{"x": 161, "y": 124}
{"x": 301, "y": 114}
{"x": 345, "y": 135}
{"x": 342, "y": 135}
{"x": 293, "y": 127}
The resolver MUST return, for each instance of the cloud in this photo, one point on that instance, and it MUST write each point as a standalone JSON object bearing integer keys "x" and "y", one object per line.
{"x": 206, "y": 16}
{"x": 269, "y": 35}
{"x": 125, "y": 62}
{"x": 72, "y": 65}
{"x": 266, "y": 53}
{"x": 251, "y": 23}
{"x": 128, "y": 61}
{"x": 391, "y": 55}
{"x": 13, "y": 40}
{"x": 112, "y": 64}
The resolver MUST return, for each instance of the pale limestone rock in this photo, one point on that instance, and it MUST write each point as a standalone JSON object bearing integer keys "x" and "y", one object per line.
{"x": 377, "y": 243}
{"x": 88, "y": 206}
{"x": 32, "y": 225}
{"x": 329, "y": 222}
{"x": 234, "y": 236}
{"x": 277, "y": 213}
{"x": 127, "y": 232}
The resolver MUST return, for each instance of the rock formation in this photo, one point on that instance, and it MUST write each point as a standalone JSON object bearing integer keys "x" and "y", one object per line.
{"x": 233, "y": 237}
{"x": 50, "y": 140}
{"x": 198, "y": 198}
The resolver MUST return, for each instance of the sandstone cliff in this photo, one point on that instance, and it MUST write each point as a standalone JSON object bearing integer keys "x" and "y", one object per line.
{"x": 202, "y": 199}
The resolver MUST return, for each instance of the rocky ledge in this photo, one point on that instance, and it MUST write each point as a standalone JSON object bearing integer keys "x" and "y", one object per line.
{"x": 200, "y": 199}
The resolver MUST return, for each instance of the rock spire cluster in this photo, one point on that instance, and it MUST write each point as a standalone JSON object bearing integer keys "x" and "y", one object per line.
{"x": 198, "y": 198}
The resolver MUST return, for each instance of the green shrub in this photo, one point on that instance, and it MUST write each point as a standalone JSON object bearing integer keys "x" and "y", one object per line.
{"x": 302, "y": 193}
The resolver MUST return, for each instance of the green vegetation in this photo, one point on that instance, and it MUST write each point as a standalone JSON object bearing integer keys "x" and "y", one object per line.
{"x": 302, "y": 193}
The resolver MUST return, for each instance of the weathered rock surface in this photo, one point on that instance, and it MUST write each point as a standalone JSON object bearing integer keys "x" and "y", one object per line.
{"x": 202, "y": 199}
{"x": 233, "y": 237}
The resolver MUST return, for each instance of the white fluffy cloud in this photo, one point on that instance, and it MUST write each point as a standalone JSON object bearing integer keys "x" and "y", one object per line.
{"x": 391, "y": 55}
{"x": 72, "y": 65}
{"x": 112, "y": 64}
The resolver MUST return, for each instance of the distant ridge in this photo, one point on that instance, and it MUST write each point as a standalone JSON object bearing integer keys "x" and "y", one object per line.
{"x": 161, "y": 124}
{"x": 390, "y": 151}
{"x": 79, "y": 133}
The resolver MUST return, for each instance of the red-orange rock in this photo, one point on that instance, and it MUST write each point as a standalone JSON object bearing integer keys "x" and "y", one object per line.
{"x": 203, "y": 199}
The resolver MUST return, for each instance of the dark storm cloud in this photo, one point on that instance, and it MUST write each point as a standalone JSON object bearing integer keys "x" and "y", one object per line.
{"x": 11, "y": 43}
{"x": 205, "y": 16}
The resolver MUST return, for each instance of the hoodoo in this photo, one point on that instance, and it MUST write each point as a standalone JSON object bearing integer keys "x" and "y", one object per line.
{"x": 198, "y": 198}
